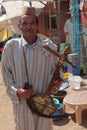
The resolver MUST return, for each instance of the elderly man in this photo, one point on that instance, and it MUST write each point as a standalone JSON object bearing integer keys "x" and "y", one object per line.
{"x": 24, "y": 59}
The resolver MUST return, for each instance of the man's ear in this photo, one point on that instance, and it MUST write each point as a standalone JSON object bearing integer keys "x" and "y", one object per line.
{"x": 19, "y": 26}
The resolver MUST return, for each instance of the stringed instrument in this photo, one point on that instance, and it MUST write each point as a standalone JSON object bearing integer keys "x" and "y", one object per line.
{"x": 43, "y": 104}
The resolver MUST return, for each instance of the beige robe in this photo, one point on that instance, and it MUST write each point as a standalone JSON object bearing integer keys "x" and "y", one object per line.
{"x": 40, "y": 65}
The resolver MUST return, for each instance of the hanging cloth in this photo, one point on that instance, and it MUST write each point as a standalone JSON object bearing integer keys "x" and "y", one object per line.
{"x": 5, "y": 34}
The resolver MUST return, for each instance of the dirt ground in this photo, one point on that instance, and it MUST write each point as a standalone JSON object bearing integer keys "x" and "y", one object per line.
{"x": 6, "y": 115}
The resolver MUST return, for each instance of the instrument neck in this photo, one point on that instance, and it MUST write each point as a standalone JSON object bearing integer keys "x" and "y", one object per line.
{"x": 56, "y": 80}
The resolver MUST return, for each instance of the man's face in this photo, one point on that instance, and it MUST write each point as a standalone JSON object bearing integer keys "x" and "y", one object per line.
{"x": 28, "y": 25}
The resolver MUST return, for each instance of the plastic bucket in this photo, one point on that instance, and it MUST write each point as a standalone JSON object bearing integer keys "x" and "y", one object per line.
{"x": 75, "y": 82}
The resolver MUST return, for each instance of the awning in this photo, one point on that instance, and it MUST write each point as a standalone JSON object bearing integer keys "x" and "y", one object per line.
{"x": 29, "y": 0}
{"x": 13, "y": 12}
{"x": 10, "y": 24}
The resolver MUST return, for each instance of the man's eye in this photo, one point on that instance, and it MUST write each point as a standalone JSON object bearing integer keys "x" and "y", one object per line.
{"x": 23, "y": 23}
{"x": 34, "y": 22}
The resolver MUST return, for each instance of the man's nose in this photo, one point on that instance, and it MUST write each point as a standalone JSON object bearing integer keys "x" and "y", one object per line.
{"x": 28, "y": 26}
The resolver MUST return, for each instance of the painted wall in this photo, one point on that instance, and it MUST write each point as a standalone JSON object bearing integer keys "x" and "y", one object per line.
{"x": 44, "y": 20}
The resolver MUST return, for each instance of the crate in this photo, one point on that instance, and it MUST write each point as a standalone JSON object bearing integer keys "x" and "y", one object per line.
{"x": 74, "y": 58}
{"x": 63, "y": 46}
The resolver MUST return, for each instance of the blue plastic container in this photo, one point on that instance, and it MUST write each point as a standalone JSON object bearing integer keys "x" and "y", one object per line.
{"x": 59, "y": 112}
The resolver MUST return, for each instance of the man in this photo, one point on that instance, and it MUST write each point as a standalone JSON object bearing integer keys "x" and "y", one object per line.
{"x": 24, "y": 59}
{"x": 68, "y": 32}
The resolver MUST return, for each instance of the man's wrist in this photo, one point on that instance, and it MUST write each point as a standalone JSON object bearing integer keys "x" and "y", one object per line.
{"x": 18, "y": 93}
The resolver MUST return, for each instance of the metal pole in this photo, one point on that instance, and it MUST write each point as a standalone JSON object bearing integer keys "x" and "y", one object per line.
{"x": 58, "y": 23}
{"x": 76, "y": 31}
{"x": 76, "y": 26}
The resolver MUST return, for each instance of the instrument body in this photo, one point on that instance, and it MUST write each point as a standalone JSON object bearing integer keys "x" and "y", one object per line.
{"x": 41, "y": 104}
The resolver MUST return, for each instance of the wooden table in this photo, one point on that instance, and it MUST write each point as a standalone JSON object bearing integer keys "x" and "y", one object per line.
{"x": 77, "y": 102}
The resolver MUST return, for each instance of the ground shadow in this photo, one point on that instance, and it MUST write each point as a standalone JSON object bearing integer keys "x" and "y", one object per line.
{"x": 62, "y": 121}
{"x": 84, "y": 118}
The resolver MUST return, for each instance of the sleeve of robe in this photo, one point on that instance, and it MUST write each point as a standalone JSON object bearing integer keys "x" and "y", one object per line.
{"x": 6, "y": 66}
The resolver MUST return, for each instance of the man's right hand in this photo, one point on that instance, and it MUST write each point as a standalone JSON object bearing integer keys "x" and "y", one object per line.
{"x": 25, "y": 93}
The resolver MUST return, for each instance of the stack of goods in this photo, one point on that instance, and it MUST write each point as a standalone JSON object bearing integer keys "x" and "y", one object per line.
{"x": 63, "y": 46}
{"x": 74, "y": 58}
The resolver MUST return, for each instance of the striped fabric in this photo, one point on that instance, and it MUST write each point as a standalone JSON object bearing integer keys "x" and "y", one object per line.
{"x": 40, "y": 66}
